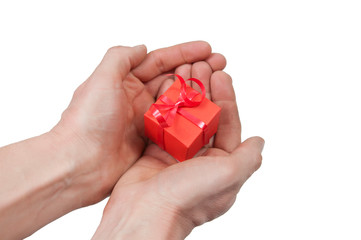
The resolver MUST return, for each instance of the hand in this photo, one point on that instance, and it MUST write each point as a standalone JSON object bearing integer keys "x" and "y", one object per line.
{"x": 105, "y": 117}
{"x": 158, "y": 198}
{"x": 98, "y": 138}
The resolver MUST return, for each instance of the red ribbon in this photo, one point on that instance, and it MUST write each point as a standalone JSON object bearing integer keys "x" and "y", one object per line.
{"x": 171, "y": 109}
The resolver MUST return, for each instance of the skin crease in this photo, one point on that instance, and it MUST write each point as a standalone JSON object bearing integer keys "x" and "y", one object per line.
{"x": 158, "y": 191}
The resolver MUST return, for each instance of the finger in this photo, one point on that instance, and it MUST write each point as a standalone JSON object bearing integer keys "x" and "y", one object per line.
{"x": 209, "y": 151}
{"x": 165, "y": 59}
{"x": 153, "y": 160}
{"x": 118, "y": 61}
{"x": 248, "y": 156}
{"x": 217, "y": 61}
{"x": 232, "y": 170}
{"x": 165, "y": 85}
{"x": 228, "y": 135}
{"x": 203, "y": 72}
{"x": 155, "y": 151}
{"x": 146, "y": 167}
{"x": 185, "y": 71}
{"x": 153, "y": 87}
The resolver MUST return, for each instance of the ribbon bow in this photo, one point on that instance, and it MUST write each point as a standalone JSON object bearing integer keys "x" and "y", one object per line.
{"x": 185, "y": 100}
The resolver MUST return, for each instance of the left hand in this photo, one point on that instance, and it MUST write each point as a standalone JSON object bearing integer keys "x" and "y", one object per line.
{"x": 104, "y": 120}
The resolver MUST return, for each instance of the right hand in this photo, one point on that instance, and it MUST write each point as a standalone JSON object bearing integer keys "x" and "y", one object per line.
{"x": 158, "y": 198}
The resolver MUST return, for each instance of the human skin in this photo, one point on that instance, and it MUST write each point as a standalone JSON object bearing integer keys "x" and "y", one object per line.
{"x": 158, "y": 198}
{"x": 99, "y": 137}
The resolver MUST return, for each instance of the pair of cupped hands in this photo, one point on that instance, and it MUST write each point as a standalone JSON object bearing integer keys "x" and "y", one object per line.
{"x": 152, "y": 195}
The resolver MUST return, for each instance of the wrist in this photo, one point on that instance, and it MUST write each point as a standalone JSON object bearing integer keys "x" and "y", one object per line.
{"x": 140, "y": 219}
{"x": 81, "y": 179}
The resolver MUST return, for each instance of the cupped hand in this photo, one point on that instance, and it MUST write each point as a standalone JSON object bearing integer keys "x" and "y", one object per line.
{"x": 158, "y": 198}
{"x": 105, "y": 117}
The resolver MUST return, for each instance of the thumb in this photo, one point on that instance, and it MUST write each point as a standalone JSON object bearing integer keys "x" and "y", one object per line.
{"x": 248, "y": 156}
{"x": 120, "y": 60}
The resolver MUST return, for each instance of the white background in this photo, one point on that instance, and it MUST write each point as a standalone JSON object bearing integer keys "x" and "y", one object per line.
{"x": 296, "y": 67}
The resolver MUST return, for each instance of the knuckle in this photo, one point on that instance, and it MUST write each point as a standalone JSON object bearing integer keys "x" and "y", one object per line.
{"x": 158, "y": 61}
{"x": 220, "y": 55}
{"x": 228, "y": 172}
{"x": 220, "y": 61}
{"x": 253, "y": 160}
{"x": 257, "y": 161}
{"x": 114, "y": 50}
{"x": 203, "y": 65}
{"x": 223, "y": 75}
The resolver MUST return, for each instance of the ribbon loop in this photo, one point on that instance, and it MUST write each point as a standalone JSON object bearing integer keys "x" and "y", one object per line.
{"x": 189, "y": 102}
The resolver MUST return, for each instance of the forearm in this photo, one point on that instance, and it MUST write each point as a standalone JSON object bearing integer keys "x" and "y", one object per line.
{"x": 37, "y": 184}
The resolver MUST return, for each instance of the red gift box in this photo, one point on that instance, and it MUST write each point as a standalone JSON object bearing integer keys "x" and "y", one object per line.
{"x": 182, "y": 120}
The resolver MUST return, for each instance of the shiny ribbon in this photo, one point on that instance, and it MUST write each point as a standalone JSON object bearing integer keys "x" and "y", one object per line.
{"x": 185, "y": 100}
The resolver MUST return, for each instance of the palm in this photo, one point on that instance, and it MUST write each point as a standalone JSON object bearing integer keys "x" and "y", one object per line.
{"x": 112, "y": 124}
